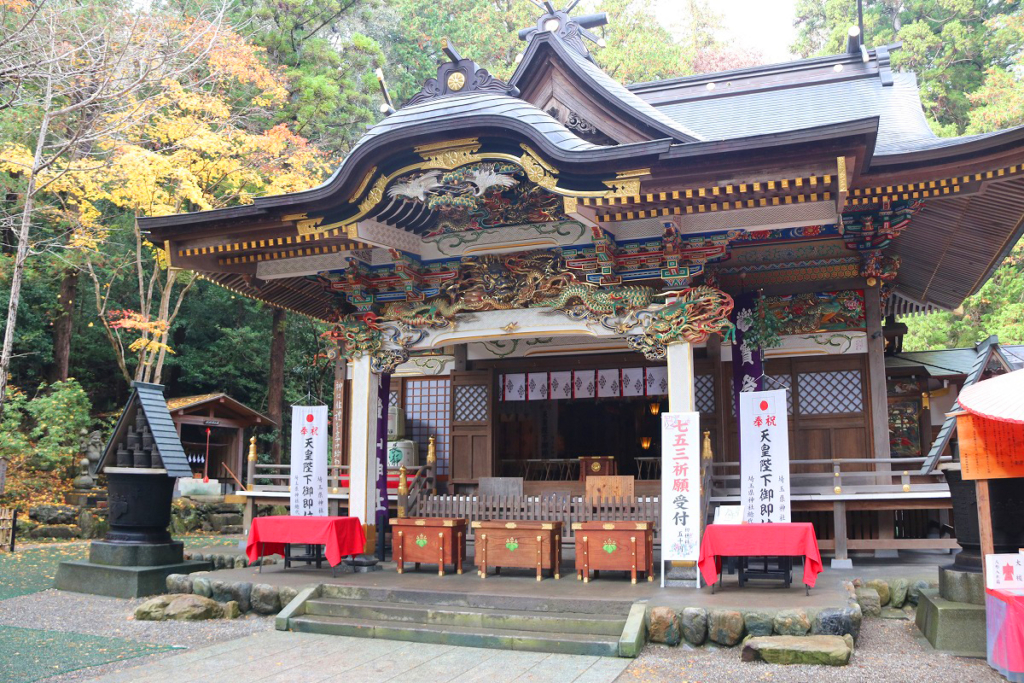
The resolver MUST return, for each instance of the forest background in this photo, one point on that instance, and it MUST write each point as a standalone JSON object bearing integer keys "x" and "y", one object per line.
{"x": 111, "y": 110}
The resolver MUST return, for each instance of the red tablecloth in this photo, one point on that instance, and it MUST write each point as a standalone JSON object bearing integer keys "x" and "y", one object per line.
{"x": 341, "y": 535}
{"x": 1004, "y": 614}
{"x": 758, "y": 540}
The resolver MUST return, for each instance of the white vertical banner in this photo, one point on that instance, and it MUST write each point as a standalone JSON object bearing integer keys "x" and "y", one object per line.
{"x": 764, "y": 456}
{"x": 680, "y": 488}
{"x": 309, "y": 461}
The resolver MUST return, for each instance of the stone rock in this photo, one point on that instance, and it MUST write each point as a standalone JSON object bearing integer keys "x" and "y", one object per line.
{"x": 848, "y": 639}
{"x": 883, "y": 590}
{"x": 239, "y": 591}
{"x": 91, "y": 524}
{"x": 758, "y": 623}
{"x": 791, "y": 622}
{"x": 870, "y": 603}
{"x": 665, "y": 626}
{"x": 193, "y": 608}
{"x": 201, "y": 586}
{"x": 241, "y": 561}
{"x": 914, "y": 592}
{"x": 827, "y": 650}
{"x": 695, "y": 625}
{"x": 179, "y": 583}
{"x": 286, "y": 594}
{"x": 893, "y": 613}
{"x": 54, "y": 514}
{"x": 857, "y": 583}
{"x": 153, "y": 609}
{"x": 898, "y": 596}
{"x": 220, "y": 561}
{"x": 220, "y": 520}
{"x": 265, "y": 599}
{"x": 725, "y": 627}
{"x": 834, "y": 621}
{"x": 231, "y": 610}
{"x": 54, "y": 531}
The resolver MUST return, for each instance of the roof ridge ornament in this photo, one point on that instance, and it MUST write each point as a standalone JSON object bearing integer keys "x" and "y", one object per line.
{"x": 460, "y": 76}
{"x": 570, "y": 30}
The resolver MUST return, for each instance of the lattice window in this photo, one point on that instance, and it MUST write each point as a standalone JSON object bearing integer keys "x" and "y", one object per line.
{"x": 470, "y": 403}
{"x": 704, "y": 394}
{"x": 826, "y": 393}
{"x": 393, "y": 399}
{"x": 427, "y": 414}
{"x": 780, "y": 382}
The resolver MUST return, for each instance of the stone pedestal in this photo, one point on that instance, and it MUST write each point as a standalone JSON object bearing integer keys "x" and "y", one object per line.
{"x": 126, "y": 570}
{"x": 952, "y": 618}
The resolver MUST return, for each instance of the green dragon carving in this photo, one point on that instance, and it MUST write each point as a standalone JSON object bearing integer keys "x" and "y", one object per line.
{"x": 693, "y": 317}
{"x": 581, "y": 301}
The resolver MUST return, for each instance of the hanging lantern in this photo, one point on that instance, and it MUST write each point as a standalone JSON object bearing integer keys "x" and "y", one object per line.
{"x": 645, "y": 442}
{"x": 655, "y": 408}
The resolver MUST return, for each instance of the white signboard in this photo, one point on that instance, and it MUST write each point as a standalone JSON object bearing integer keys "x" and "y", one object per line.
{"x": 1004, "y": 571}
{"x": 309, "y": 461}
{"x": 680, "y": 488}
{"x": 764, "y": 456}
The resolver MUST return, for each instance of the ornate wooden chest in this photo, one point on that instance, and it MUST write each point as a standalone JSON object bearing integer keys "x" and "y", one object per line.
{"x": 527, "y": 545}
{"x": 429, "y": 540}
{"x": 597, "y": 466}
{"x": 622, "y": 546}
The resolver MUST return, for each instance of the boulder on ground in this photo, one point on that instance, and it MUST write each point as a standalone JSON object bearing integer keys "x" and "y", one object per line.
{"x": 231, "y": 610}
{"x": 914, "y": 592}
{"x": 758, "y": 623}
{"x": 239, "y": 591}
{"x": 265, "y": 599}
{"x": 55, "y": 531}
{"x": 898, "y": 592}
{"x": 287, "y": 594}
{"x": 220, "y": 520}
{"x": 193, "y": 608}
{"x": 827, "y": 650}
{"x": 153, "y": 609}
{"x": 665, "y": 626}
{"x": 201, "y": 586}
{"x": 834, "y": 621}
{"x": 869, "y": 601}
{"x": 695, "y": 625}
{"x": 179, "y": 583}
{"x": 54, "y": 514}
{"x": 725, "y": 627}
{"x": 791, "y": 622}
{"x": 883, "y": 590}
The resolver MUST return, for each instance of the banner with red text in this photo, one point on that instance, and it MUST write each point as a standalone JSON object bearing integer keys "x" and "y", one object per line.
{"x": 680, "y": 486}
{"x": 764, "y": 456}
{"x": 309, "y": 461}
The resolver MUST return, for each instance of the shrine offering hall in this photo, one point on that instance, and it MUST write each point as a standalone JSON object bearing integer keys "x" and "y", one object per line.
{"x": 543, "y": 267}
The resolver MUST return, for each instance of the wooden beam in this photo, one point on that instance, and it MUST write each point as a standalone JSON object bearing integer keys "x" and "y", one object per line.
{"x": 878, "y": 395}
{"x": 902, "y": 544}
{"x": 984, "y": 522}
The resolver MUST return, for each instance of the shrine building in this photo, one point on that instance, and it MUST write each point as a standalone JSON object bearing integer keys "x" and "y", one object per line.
{"x": 545, "y": 265}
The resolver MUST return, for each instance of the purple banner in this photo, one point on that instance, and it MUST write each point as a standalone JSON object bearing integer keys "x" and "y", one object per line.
{"x": 383, "y": 398}
{"x": 747, "y": 368}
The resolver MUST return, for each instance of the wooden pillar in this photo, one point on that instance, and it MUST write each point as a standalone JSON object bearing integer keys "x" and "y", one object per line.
{"x": 338, "y": 419}
{"x": 878, "y": 400}
{"x": 680, "y": 377}
{"x": 839, "y": 532}
{"x": 362, "y": 475}
{"x": 984, "y": 523}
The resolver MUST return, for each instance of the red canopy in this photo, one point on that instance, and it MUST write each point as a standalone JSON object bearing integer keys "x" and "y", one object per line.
{"x": 999, "y": 398}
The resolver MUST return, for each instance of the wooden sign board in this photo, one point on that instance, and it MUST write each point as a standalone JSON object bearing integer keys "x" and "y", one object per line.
{"x": 7, "y": 521}
{"x": 990, "y": 449}
{"x": 602, "y": 488}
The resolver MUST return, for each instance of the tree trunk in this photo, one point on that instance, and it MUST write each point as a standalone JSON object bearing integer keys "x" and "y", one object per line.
{"x": 63, "y": 325}
{"x": 275, "y": 387}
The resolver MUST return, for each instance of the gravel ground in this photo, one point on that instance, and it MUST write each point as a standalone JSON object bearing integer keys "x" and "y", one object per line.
{"x": 887, "y": 652}
{"x": 61, "y": 611}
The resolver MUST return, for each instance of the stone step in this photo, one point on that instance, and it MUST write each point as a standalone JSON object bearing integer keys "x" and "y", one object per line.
{"x": 561, "y": 643}
{"x": 479, "y": 617}
{"x": 478, "y": 600}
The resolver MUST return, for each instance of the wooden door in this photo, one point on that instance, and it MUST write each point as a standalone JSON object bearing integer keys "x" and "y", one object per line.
{"x": 472, "y": 411}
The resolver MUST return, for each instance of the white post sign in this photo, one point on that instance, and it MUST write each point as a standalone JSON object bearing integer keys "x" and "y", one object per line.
{"x": 764, "y": 456}
{"x": 680, "y": 488}
{"x": 309, "y": 461}
{"x": 1004, "y": 571}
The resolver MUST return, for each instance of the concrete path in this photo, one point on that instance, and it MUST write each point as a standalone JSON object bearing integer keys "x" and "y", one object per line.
{"x": 284, "y": 657}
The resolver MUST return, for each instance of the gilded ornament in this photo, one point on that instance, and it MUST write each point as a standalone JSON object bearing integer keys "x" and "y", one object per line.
{"x": 456, "y": 80}
{"x": 374, "y": 196}
{"x": 511, "y": 327}
{"x": 693, "y": 317}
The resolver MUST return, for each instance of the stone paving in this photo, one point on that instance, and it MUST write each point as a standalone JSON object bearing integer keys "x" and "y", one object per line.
{"x": 279, "y": 657}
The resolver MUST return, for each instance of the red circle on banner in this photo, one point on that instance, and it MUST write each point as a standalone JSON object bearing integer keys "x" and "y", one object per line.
{"x": 764, "y": 405}
{"x": 309, "y": 417}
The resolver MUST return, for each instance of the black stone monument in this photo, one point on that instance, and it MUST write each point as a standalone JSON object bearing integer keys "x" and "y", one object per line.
{"x": 142, "y": 461}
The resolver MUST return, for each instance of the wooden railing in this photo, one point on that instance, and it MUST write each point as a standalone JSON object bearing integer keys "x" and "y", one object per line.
{"x": 874, "y": 476}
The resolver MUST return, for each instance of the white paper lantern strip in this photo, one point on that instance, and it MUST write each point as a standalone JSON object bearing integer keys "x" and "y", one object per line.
{"x": 584, "y": 384}
{"x": 609, "y": 383}
{"x": 633, "y": 382}
{"x": 515, "y": 387}
{"x": 537, "y": 386}
{"x": 657, "y": 381}
{"x": 560, "y": 385}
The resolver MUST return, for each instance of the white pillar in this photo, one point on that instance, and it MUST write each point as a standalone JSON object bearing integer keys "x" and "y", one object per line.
{"x": 680, "y": 377}
{"x": 362, "y": 491}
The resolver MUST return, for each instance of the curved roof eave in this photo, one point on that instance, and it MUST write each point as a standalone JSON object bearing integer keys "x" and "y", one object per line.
{"x": 949, "y": 150}
{"x": 606, "y": 89}
{"x": 563, "y": 148}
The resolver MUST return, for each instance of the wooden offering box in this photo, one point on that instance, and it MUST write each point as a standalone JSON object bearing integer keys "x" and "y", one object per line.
{"x": 429, "y": 540}
{"x": 526, "y": 545}
{"x": 622, "y": 546}
{"x": 597, "y": 466}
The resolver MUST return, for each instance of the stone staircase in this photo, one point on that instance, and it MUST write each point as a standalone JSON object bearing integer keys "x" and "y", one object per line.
{"x": 585, "y": 627}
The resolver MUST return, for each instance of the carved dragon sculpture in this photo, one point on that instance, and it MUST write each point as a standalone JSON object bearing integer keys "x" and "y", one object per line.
{"x": 582, "y": 301}
{"x": 693, "y": 317}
